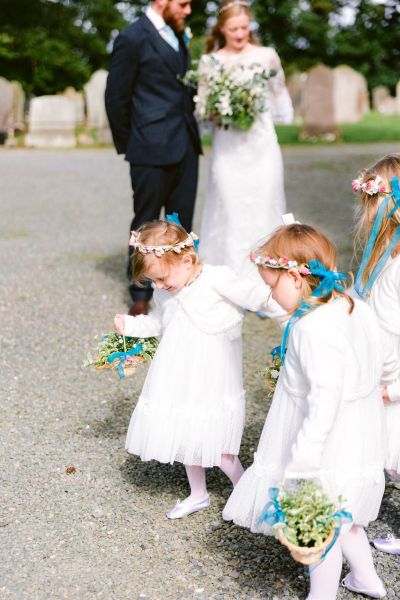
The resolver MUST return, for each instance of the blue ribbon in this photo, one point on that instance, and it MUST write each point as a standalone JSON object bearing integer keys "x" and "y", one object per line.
{"x": 363, "y": 291}
{"x": 330, "y": 280}
{"x": 123, "y": 356}
{"x": 344, "y": 517}
{"x": 272, "y": 512}
{"x": 174, "y": 218}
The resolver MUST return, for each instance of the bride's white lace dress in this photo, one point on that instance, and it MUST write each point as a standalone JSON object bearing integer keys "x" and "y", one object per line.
{"x": 245, "y": 196}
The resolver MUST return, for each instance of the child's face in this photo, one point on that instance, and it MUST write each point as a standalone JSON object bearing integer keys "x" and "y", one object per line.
{"x": 171, "y": 277}
{"x": 286, "y": 286}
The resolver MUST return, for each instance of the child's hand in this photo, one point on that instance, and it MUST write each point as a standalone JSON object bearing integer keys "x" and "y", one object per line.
{"x": 119, "y": 324}
{"x": 385, "y": 396}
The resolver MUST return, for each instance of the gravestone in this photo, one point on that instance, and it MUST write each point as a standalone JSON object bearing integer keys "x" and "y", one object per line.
{"x": 295, "y": 85}
{"x": 77, "y": 98}
{"x": 95, "y": 107}
{"x": 350, "y": 95}
{"x": 319, "y": 110}
{"x": 52, "y": 121}
{"x": 6, "y": 109}
{"x": 18, "y": 106}
{"x": 383, "y": 102}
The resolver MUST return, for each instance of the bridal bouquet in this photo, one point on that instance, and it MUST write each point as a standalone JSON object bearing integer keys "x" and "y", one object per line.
{"x": 122, "y": 353}
{"x": 305, "y": 520}
{"x": 232, "y": 96}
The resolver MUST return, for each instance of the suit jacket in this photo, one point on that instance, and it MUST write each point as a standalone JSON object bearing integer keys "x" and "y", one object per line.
{"x": 149, "y": 109}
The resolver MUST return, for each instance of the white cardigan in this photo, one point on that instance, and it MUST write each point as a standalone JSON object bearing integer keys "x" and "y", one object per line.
{"x": 213, "y": 302}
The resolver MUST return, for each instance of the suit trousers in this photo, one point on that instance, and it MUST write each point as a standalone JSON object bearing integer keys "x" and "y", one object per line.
{"x": 154, "y": 187}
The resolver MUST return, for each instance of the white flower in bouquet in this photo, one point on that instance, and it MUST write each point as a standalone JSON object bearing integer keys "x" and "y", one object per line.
{"x": 230, "y": 96}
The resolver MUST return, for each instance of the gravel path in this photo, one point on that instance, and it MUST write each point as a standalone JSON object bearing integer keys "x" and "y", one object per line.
{"x": 100, "y": 532}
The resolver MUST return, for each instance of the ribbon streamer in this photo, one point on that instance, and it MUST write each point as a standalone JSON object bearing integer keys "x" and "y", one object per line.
{"x": 330, "y": 280}
{"x": 363, "y": 291}
{"x": 123, "y": 356}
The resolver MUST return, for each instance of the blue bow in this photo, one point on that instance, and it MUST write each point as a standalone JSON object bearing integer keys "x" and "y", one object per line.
{"x": 272, "y": 513}
{"x": 174, "y": 218}
{"x": 361, "y": 290}
{"x": 123, "y": 356}
{"x": 330, "y": 280}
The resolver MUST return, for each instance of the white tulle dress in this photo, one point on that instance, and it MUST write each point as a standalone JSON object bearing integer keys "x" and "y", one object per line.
{"x": 192, "y": 405}
{"x": 326, "y": 419}
{"x": 245, "y": 194}
{"x": 385, "y": 302}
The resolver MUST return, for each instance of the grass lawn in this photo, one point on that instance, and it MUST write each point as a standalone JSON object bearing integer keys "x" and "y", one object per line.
{"x": 374, "y": 127}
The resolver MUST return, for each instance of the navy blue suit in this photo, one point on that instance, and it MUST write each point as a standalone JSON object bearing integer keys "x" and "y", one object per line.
{"x": 151, "y": 119}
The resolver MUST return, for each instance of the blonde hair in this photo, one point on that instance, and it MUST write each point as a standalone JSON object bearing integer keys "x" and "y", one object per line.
{"x": 386, "y": 168}
{"x": 303, "y": 244}
{"x": 227, "y": 9}
{"x": 159, "y": 233}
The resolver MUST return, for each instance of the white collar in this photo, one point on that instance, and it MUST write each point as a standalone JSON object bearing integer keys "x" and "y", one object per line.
{"x": 155, "y": 18}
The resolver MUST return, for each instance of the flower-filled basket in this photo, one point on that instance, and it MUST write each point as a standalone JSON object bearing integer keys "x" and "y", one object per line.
{"x": 305, "y": 520}
{"x": 123, "y": 354}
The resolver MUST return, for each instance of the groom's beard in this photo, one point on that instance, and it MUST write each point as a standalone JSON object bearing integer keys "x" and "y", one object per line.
{"x": 177, "y": 23}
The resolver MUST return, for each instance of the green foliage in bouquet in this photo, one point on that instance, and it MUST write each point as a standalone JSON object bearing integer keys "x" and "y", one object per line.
{"x": 309, "y": 515}
{"x": 272, "y": 372}
{"x": 230, "y": 96}
{"x": 114, "y": 342}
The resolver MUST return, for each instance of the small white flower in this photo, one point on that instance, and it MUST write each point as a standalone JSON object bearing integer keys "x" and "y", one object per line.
{"x": 274, "y": 373}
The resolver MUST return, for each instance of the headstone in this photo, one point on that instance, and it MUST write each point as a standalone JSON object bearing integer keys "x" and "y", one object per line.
{"x": 295, "y": 85}
{"x": 319, "y": 110}
{"x": 18, "y": 105}
{"x": 350, "y": 95}
{"x": 6, "y": 109}
{"x": 52, "y": 121}
{"x": 79, "y": 102}
{"x": 398, "y": 98}
{"x": 383, "y": 102}
{"x": 95, "y": 106}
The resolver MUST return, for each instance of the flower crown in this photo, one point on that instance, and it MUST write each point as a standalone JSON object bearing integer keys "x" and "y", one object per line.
{"x": 371, "y": 187}
{"x": 280, "y": 263}
{"x": 159, "y": 251}
{"x": 232, "y": 4}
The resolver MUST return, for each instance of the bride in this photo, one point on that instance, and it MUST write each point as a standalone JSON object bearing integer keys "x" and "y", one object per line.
{"x": 245, "y": 197}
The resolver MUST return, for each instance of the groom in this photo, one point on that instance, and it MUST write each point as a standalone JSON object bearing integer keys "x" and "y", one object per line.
{"x": 151, "y": 119}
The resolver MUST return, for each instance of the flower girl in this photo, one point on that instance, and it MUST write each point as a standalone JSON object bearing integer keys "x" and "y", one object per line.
{"x": 191, "y": 409}
{"x": 378, "y": 282}
{"x": 326, "y": 417}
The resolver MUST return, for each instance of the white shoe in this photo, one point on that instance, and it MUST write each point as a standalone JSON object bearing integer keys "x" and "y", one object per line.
{"x": 348, "y": 584}
{"x": 183, "y": 509}
{"x": 390, "y": 544}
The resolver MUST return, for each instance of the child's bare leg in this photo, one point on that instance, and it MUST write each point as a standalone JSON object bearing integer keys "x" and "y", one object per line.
{"x": 232, "y": 467}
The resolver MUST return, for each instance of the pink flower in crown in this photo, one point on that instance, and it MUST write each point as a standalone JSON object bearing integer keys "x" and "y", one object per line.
{"x": 283, "y": 261}
{"x": 304, "y": 271}
{"x": 356, "y": 184}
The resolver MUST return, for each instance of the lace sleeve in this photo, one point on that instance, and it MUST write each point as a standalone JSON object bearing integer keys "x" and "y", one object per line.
{"x": 204, "y": 68}
{"x": 281, "y": 103}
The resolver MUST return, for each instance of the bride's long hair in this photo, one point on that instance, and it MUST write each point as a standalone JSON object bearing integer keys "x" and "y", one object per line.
{"x": 227, "y": 9}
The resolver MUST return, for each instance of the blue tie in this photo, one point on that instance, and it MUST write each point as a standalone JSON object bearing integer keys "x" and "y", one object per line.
{"x": 170, "y": 37}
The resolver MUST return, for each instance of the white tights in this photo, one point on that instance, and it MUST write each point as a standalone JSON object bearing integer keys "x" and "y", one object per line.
{"x": 325, "y": 576}
{"x": 230, "y": 465}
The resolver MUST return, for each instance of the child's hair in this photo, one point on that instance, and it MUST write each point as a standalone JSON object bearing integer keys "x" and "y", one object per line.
{"x": 160, "y": 233}
{"x": 227, "y": 9}
{"x": 303, "y": 244}
{"x": 386, "y": 168}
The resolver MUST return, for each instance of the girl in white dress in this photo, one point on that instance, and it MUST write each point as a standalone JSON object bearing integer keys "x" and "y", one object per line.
{"x": 245, "y": 192}
{"x": 378, "y": 282}
{"x": 192, "y": 407}
{"x": 326, "y": 418}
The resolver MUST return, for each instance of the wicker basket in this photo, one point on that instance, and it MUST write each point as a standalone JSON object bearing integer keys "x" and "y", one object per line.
{"x": 303, "y": 554}
{"x": 130, "y": 364}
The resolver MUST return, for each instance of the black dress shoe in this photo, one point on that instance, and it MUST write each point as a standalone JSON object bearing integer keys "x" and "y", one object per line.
{"x": 140, "y": 307}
